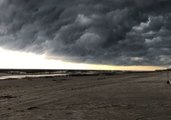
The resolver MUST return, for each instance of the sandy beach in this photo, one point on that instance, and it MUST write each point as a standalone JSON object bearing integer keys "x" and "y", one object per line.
{"x": 133, "y": 96}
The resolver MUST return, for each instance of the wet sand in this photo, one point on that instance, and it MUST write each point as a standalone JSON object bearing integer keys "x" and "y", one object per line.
{"x": 135, "y": 96}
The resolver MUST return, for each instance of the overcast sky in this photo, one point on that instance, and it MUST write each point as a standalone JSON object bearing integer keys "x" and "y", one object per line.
{"x": 114, "y": 32}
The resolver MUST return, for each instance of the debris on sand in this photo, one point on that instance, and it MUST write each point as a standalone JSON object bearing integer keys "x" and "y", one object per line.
{"x": 7, "y": 97}
{"x": 32, "y": 108}
{"x": 169, "y": 82}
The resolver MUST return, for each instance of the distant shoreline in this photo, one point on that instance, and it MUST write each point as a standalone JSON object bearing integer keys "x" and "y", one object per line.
{"x": 29, "y": 76}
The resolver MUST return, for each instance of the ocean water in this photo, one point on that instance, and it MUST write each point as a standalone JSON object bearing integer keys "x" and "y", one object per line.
{"x": 30, "y": 76}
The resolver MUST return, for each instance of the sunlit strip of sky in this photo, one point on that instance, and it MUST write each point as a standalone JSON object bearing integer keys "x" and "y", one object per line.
{"x": 23, "y": 60}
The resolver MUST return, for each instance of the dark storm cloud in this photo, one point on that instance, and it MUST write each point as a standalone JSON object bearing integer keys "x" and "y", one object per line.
{"x": 120, "y": 32}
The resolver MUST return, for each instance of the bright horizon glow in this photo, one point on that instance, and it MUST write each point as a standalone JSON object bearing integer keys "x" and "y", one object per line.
{"x": 22, "y": 60}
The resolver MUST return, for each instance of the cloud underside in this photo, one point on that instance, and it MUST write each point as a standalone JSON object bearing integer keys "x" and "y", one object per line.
{"x": 116, "y": 32}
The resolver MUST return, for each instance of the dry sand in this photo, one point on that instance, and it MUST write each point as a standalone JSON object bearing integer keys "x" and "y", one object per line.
{"x": 139, "y": 96}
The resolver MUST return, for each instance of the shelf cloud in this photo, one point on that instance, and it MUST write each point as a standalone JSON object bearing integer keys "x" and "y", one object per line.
{"x": 116, "y": 32}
